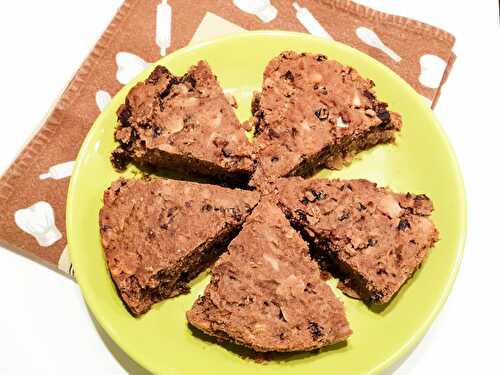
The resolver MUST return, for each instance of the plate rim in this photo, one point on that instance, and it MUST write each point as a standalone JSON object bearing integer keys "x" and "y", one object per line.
{"x": 418, "y": 334}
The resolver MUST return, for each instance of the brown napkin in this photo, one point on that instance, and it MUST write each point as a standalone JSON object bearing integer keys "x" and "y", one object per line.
{"x": 33, "y": 190}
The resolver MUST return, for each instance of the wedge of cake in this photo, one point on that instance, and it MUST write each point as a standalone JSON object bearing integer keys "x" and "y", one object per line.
{"x": 184, "y": 124}
{"x": 374, "y": 239}
{"x": 159, "y": 234}
{"x": 313, "y": 111}
{"x": 266, "y": 292}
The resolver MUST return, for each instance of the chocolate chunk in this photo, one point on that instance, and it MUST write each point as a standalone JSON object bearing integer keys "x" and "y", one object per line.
{"x": 403, "y": 224}
{"x": 322, "y": 114}
{"x": 302, "y": 216}
{"x": 288, "y": 75}
{"x": 255, "y": 106}
{"x": 315, "y": 330}
{"x": 369, "y": 95}
{"x": 385, "y": 116}
{"x": 319, "y": 195}
{"x": 206, "y": 208}
{"x": 120, "y": 159}
{"x": 381, "y": 271}
{"x": 377, "y": 297}
{"x": 124, "y": 115}
{"x": 382, "y": 113}
{"x": 361, "y": 206}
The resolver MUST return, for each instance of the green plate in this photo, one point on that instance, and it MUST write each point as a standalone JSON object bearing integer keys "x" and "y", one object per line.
{"x": 421, "y": 162}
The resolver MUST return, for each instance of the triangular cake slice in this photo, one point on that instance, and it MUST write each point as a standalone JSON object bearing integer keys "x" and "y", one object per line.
{"x": 184, "y": 124}
{"x": 373, "y": 238}
{"x": 266, "y": 292}
{"x": 313, "y": 111}
{"x": 159, "y": 234}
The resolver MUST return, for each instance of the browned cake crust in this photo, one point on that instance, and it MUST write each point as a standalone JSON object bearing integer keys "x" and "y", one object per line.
{"x": 374, "y": 239}
{"x": 184, "y": 124}
{"x": 313, "y": 111}
{"x": 159, "y": 234}
{"x": 266, "y": 293}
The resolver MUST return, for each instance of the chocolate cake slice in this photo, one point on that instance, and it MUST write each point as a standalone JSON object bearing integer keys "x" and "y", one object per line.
{"x": 184, "y": 124}
{"x": 373, "y": 239}
{"x": 313, "y": 111}
{"x": 159, "y": 234}
{"x": 266, "y": 293}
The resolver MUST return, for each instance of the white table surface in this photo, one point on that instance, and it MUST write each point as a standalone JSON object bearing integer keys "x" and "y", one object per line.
{"x": 45, "y": 327}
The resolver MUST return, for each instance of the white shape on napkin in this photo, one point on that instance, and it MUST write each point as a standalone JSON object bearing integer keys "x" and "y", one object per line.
{"x": 163, "y": 26}
{"x": 311, "y": 24}
{"x": 64, "y": 263}
{"x": 38, "y": 220}
{"x": 129, "y": 66}
{"x": 59, "y": 171}
{"x": 431, "y": 70}
{"x": 260, "y": 8}
{"x": 369, "y": 37}
{"x": 102, "y": 99}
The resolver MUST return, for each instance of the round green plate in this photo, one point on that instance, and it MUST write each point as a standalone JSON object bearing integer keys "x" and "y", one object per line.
{"x": 421, "y": 162}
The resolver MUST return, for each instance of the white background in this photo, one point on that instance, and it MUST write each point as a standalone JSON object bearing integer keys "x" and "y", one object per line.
{"x": 45, "y": 326}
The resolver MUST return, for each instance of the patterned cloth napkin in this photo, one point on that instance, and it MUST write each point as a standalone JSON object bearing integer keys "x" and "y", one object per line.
{"x": 33, "y": 190}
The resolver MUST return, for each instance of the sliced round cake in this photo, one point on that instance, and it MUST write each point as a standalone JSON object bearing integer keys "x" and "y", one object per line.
{"x": 185, "y": 124}
{"x": 159, "y": 234}
{"x": 314, "y": 111}
{"x": 266, "y": 292}
{"x": 373, "y": 238}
